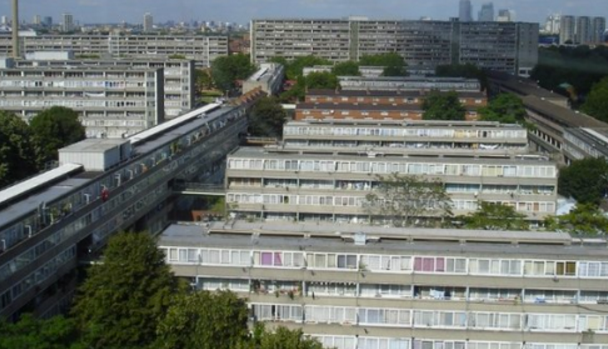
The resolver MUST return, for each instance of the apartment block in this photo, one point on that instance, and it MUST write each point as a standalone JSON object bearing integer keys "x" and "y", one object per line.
{"x": 178, "y": 76}
{"x": 335, "y": 111}
{"x": 580, "y": 143}
{"x": 269, "y": 78}
{"x": 390, "y": 83}
{"x": 112, "y": 102}
{"x": 364, "y": 71}
{"x": 380, "y": 97}
{"x": 504, "y": 46}
{"x": 200, "y": 48}
{"x": 327, "y": 177}
{"x": 361, "y": 287}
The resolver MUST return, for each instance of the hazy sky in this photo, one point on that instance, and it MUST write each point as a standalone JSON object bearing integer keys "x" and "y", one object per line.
{"x": 241, "y": 11}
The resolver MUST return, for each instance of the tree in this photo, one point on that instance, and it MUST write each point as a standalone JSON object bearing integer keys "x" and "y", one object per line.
{"x": 585, "y": 219}
{"x": 443, "y": 106}
{"x": 505, "y": 108}
{"x": 267, "y": 118}
{"x": 401, "y": 199}
{"x": 53, "y": 129}
{"x": 393, "y": 63}
{"x": 226, "y": 70}
{"x": 123, "y": 298}
{"x": 495, "y": 216}
{"x": 29, "y": 332}
{"x": 322, "y": 80}
{"x": 584, "y": 180}
{"x": 596, "y": 104}
{"x": 17, "y": 160}
{"x": 295, "y": 68}
{"x": 281, "y": 338}
{"x": 348, "y": 68}
{"x": 467, "y": 71}
{"x": 204, "y": 320}
{"x": 203, "y": 80}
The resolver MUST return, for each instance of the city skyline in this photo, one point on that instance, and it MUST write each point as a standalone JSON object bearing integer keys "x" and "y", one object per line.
{"x": 115, "y": 11}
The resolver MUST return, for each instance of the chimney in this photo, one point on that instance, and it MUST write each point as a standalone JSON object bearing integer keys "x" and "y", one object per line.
{"x": 15, "y": 29}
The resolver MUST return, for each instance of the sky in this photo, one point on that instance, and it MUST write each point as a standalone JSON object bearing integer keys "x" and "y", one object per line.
{"x": 241, "y": 11}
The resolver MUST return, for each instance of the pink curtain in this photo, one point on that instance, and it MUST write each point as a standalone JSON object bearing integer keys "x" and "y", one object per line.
{"x": 266, "y": 258}
{"x": 440, "y": 264}
{"x": 277, "y": 258}
{"x": 418, "y": 264}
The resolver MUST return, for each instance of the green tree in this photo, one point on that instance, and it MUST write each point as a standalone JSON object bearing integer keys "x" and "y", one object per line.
{"x": 584, "y": 180}
{"x": 393, "y": 63}
{"x": 29, "y": 332}
{"x": 505, "y": 108}
{"x": 443, "y": 106}
{"x": 322, "y": 80}
{"x": 267, "y": 118}
{"x": 467, "y": 71}
{"x": 226, "y": 70}
{"x": 204, "y": 320}
{"x": 295, "y": 68}
{"x": 495, "y": 216}
{"x": 53, "y": 129}
{"x": 403, "y": 199}
{"x": 123, "y": 298}
{"x": 596, "y": 104}
{"x": 585, "y": 219}
{"x": 348, "y": 68}
{"x": 203, "y": 80}
{"x": 280, "y": 338}
{"x": 17, "y": 160}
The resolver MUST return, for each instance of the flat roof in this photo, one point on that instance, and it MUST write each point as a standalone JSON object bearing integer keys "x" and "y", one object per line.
{"x": 49, "y": 194}
{"x": 410, "y": 79}
{"x": 94, "y": 145}
{"x": 433, "y": 124}
{"x": 84, "y": 68}
{"x": 378, "y": 107}
{"x": 336, "y": 237}
{"x": 383, "y": 93}
{"x": 563, "y": 116}
{"x": 22, "y": 188}
{"x": 329, "y": 154}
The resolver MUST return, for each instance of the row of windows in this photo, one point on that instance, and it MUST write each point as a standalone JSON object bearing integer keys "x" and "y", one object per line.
{"x": 110, "y": 84}
{"x": 401, "y": 132}
{"x": 83, "y": 103}
{"x": 364, "y": 342}
{"x": 383, "y": 167}
{"x": 387, "y": 263}
{"x": 360, "y": 201}
{"x": 430, "y": 318}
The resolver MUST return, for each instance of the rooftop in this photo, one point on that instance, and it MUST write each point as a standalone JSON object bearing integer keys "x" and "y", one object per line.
{"x": 340, "y": 237}
{"x": 436, "y": 124}
{"x": 563, "y": 116}
{"x": 366, "y": 107}
{"x": 383, "y": 93}
{"x": 94, "y": 145}
{"x": 596, "y": 138}
{"x": 356, "y": 154}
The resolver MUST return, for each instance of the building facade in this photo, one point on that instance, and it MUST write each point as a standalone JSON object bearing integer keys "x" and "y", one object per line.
{"x": 383, "y": 288}
{"x": 382, "y": 83}
{"x": 580, "y": 143}
{"x": 148, "y": 24}
{"x": 465, "y": 13}
{"x": 200, "y": 48}
{"x": 584, "y": 32}
{"x": 327, "y": 176}
{"x": 567, "y": 30}
{"x": 379, "y": 97}
{"x": 402, "y": 112}
{"x": 67, "y": 24}
{"x": 598, "y": 28}
{"x": 496, "y": 45}
{"x": 112, "y": 102}
{"x": 178, "y": 81}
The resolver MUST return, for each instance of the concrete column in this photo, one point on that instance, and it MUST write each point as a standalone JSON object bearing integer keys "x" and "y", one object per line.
{"x": 15, "y": 29}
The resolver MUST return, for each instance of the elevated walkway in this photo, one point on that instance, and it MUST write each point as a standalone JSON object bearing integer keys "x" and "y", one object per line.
{"x": 200, "y": 189}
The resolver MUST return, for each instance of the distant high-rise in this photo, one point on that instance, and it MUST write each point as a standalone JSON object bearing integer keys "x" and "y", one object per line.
{"x": 68, "y": 22}
{"x": 486, "y": 14}
{"x": 37, "y": 20}
{"x": 505, "y": 16}
{"x": 583, "y": 30}
{"x": 466, "y": 11}
{"x": 148, "y": 23}
{"x": 47, "y": 21}
{"x": 598, "y": 27}
{"x": 566, "y": 30}
{"x": 4, "y": 20}
{"x": 552, "y": 24}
